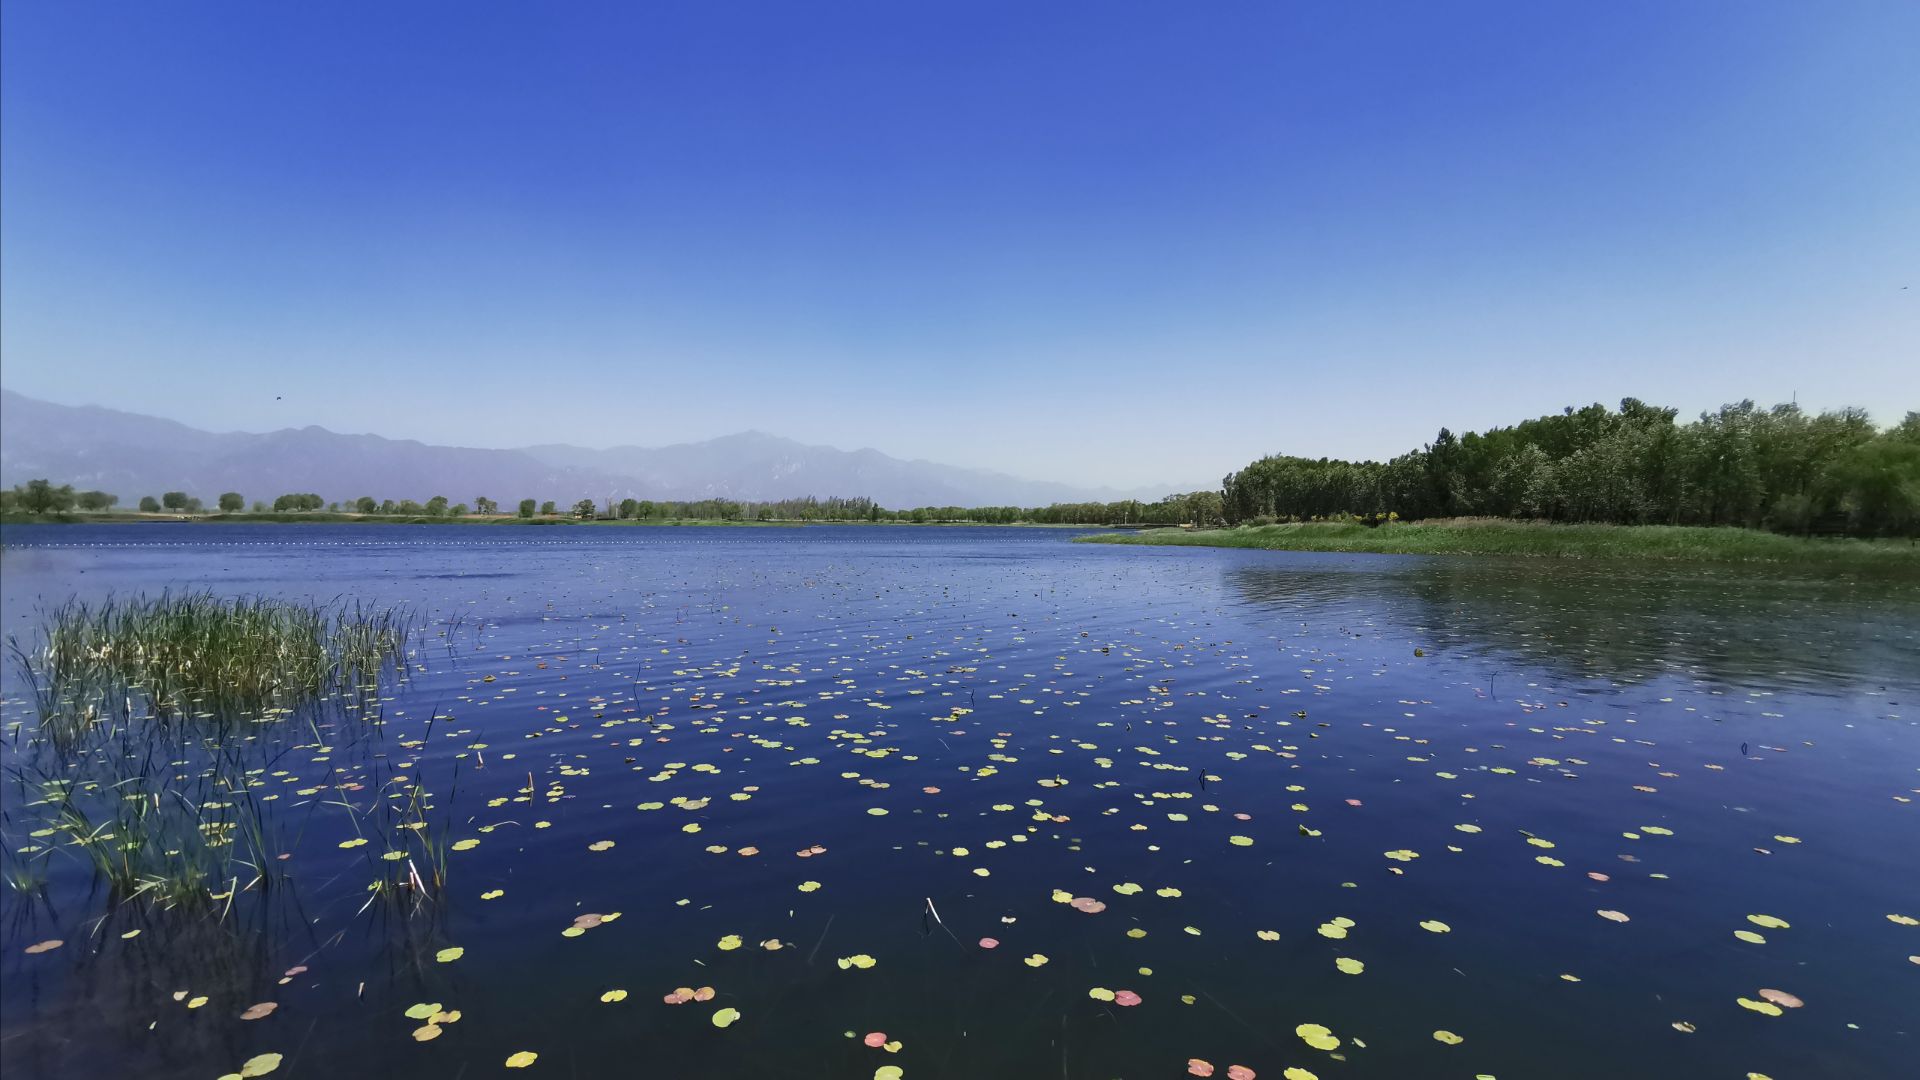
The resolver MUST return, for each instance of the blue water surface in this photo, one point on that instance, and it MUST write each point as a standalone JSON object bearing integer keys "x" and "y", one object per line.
{"x": 1251, "y": 764}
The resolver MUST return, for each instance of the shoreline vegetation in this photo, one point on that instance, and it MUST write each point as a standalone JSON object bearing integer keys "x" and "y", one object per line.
{"x": 323, "y": 517}
{"x": 1743, "y": 484}
{"x": 1538, "y": 539}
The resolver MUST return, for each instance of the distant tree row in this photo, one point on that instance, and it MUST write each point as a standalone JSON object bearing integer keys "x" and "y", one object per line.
{"x": 1199, "y": 508}
{"x": 1776, "y": 468}
{"x": 41, "y": 497}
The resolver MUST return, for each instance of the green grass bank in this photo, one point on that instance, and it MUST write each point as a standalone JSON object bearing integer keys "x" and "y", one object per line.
{"x": 1490, "y": 536}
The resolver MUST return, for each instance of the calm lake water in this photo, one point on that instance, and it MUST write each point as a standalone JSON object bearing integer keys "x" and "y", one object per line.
{"x": 1388, "y": 796}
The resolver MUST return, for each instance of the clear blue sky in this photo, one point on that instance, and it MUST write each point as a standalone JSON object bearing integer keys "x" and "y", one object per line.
{"x": 1105, "y": 242}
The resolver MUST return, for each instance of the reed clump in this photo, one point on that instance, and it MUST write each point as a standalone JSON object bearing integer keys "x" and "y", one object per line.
{"x": 195, "y": 653}
{"x": 160, "y": 719}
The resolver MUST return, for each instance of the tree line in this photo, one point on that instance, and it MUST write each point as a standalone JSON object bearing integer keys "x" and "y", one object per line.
{"x": 1198, "y": 508}
{"x": 1778, "y": 468}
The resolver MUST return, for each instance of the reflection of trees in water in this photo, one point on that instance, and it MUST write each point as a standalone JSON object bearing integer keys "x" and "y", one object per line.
{"x": 1754, "y": 628}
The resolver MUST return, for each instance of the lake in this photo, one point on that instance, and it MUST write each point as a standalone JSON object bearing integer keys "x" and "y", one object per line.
{"x": 1471, "y": 817}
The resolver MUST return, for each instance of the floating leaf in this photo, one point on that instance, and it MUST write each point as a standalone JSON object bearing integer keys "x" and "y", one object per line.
{"x": 260, "y": 1065}
{"x": 1317, "y": 1036}
{"x": 522, "y": 1059}
{"x": 1348, "y": 965}
{"x": 265, "y": 1009}
{"x": 1448, "y": 1037}
{"x": 1436, "y": 926}
{"x": 449, "y": 955}
{"x": 725, "y": 1017}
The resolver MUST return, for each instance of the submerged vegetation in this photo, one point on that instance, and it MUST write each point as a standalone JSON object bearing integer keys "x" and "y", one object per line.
{"x": 1494, "y": 536}
{"x": 155, "y": 720}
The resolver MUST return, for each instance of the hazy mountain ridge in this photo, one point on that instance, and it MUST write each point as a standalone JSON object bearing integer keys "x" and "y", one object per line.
{"x": 131, "y": 455}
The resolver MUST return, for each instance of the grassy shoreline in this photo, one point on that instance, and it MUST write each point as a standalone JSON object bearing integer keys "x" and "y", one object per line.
{"x": 1486, "y": 536}
{"x": 328, "y": 517}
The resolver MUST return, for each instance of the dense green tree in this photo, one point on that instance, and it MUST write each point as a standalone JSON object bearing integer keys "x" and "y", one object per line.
{"x": 437, "y": 506}
{"x": 1739, "y": 465}
{"x": 232, "y": 502}
{"x": 175, "y": 500}
{"x": 41, "y": 497}
{"x": 584, "y": 509}
{"x": 546, "y": 508}
{"x": 526, "y": 508}
{"x": 149, "y": 504}
{"x": 365, "y": 505}
{"x": 96, "y": 500}
{"x": 484, "y": 505}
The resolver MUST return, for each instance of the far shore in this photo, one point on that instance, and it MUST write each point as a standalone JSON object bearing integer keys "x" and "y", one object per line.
{"x": 330, "y": 517}
{"x": 1493, "y": 536}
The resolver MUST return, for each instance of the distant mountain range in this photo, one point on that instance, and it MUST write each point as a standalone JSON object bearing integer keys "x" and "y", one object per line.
{"x": 131, "y": 455}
